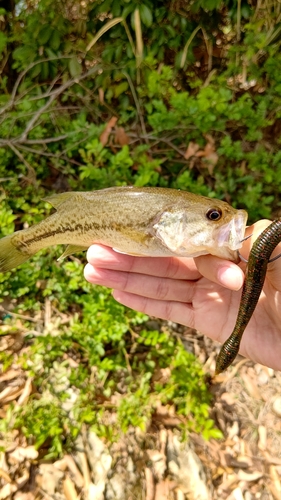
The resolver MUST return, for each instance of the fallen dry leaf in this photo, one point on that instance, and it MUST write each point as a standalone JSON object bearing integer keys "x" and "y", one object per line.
{"x": 83, "y": 463}
{"x": 121, "y": 137}
{"x": 163, "y": 490}
{"x": 49, "y": 478}
{"x": 262, "y": 444}
{"x": 5, "y": 476}
{"x": 10, "y": 375}
{"x": 163, "y": 440}
{"x": 150, "y": 486}
{"x": 192, "y": 149}
{"x": 20, "y": 454}
{"x": 22, "y": 480}
{"x": 249, "y": 476}
{"x": 209, "y": 153}
{"x": 276, "y": 406}
{"x": 161, "y": 375}
{"x": 158, "y": 463}
{"x": 101, "y": 95}
{"x": 24, "y": 496}
{"x": 69, "y": 489}
{"x": 7, "y": 491}
{"x": 236, "y": 494}
{"x": 275, "y": 478}
{"x": 70, "y": 463}
{"x": 107, "y": 131}
{"x": 179, "y": 494}
{"x": 10, "y": 393}
{"x": 27, "y": 390}
{"x": 251, "y": 387}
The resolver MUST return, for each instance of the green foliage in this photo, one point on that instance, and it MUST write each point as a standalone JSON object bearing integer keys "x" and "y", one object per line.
{"x": 195, "y": 88}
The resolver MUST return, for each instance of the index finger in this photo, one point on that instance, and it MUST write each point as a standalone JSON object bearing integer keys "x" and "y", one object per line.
{"x": 168, "y": 267}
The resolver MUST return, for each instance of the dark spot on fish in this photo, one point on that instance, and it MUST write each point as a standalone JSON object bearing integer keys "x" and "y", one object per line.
{"x": 82, "y": 228}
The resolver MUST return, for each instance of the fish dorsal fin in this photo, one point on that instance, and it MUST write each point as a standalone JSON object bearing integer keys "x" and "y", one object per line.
{"x": 57, "y": 199}
{"x": 70, "y": 249}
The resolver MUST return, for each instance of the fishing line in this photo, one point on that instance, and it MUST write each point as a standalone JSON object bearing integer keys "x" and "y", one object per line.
{"x": 246, "y": 260}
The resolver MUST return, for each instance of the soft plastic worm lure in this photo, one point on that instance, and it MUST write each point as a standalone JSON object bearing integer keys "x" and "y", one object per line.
{"x": 255, "y": 276}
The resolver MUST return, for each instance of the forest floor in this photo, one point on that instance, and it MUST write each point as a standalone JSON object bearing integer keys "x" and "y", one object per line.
{"x": 244, "y": 465}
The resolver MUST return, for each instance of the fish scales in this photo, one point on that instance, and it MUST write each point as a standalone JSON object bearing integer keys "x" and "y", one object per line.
{"x": 155, "y": 222}
{"x": 254, "y": 281}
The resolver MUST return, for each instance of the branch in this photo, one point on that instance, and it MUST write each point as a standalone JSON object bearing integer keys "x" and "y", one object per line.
{"x": 52, "y": 97}
{"x": 11, "y": 102}
{"x": 30, "y": 169}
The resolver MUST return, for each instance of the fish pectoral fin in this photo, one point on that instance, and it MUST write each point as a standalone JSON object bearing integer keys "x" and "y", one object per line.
{"x": 70, "y": 249}
{"x": 57, "y": 199}
{"x": 128, "y": 253}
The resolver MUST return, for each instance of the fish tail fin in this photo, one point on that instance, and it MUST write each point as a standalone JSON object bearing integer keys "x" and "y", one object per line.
{"x": 10, "y": 256}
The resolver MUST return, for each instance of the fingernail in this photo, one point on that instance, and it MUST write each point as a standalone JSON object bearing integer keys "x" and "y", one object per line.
{"x": 230, "y": 278}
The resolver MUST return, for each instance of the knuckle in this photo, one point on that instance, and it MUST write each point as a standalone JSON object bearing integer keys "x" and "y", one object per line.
{"x": 162, "y": 289}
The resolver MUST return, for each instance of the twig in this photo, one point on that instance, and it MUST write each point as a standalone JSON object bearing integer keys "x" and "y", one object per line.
{"x": 238, "y": 24}
{"x": 136, "y": 103}
{"x": 48, "y": 140}
{"x": 22, "y": 75}
{"x": 162, "y": 139}
{"x": 52, "y": 155}
{"x": 52, "y": 97}
{"x": 34, "y": 119}
{"x": 25, "y": 162}
{"x": 17, "y": 315}
{"x": 209, "y": 47}
{"x": 186, "y": 47}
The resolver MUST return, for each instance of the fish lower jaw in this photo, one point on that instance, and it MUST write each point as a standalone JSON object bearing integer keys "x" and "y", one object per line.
{"x": 226, "y": 253}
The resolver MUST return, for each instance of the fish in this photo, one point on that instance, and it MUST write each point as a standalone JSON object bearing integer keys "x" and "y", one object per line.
{"x": 145, "y": 221}
{"x": 253, "y": 285}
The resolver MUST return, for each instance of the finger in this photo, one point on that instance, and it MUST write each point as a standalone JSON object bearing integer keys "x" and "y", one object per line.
{"x": 141, "y": 284}
{"x": 220, "y": 271}
{"x": 171, "y": 311}
{"x": 169, "y": 267}
{"x": 253, "y": 231}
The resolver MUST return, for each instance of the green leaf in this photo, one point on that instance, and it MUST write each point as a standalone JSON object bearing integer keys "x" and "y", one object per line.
{"x": 146, "y": 15}
{"x": 44, "y": 70}
{"x": 35, "y": 71}
{"x": 3, "y": 42}
{"x": 44, "y": 34}
{"x": 103, "y": 30}
{"x": 127, "y": 10}
{"x": 75, "y": 68}
{"x": 120, "y": 88}
{"x": 55, "y": 40}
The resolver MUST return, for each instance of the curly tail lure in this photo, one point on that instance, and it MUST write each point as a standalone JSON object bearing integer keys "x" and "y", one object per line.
{"x": 255, "y": 276}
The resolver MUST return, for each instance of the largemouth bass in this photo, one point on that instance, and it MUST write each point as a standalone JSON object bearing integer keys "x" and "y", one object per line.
{"x": 148, "y": 221}
{"x": 254, "y": 281}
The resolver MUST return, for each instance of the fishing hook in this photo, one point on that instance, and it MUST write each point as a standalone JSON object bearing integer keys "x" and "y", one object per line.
{"x": 246, "y": 260}
{"x": 239, "y": 254}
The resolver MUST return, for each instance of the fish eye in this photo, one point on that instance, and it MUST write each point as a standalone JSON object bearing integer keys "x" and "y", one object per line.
{"x": 214, "y": 214}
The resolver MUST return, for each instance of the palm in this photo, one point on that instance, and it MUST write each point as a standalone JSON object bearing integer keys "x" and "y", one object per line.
{"x": 189, "y": 292}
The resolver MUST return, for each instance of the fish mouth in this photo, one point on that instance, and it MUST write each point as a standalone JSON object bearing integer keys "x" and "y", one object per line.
{"x": 232, "y": 233}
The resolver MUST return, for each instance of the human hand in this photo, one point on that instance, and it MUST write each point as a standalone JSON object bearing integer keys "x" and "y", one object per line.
{"x": 202, "y": 293}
